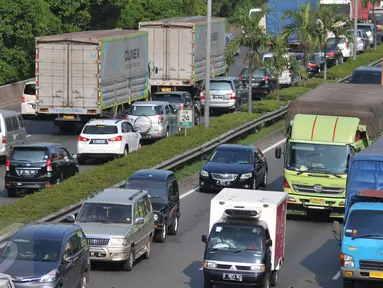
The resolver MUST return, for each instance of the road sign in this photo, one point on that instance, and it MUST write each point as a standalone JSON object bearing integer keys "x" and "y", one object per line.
{"x": 185, "y": 118}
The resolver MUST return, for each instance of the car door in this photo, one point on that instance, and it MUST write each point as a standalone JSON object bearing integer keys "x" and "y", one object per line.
{"x": 258, "y": 165}
{"x": 149, "y": 219}
{"x": 69, "y": 268}
{"x": 72, "y": 163}
{"x": 174, "y": 195}
{"x": 130, "y": 136}
{"x": 239, "y": 91}
{"x": 139, "y": 237}
{"x": 261, "y": 159}
{"x": 11, "y": 135}
{"x": 172, "y": 119}
{"x": 58, "y": 159}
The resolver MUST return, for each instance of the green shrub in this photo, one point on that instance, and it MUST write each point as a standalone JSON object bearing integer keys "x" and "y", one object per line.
{"x": 264, "y": 106}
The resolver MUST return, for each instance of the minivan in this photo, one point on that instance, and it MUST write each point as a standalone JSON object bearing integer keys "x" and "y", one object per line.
{"x": 28, "y": 100}
{"x": 12, "y": 130}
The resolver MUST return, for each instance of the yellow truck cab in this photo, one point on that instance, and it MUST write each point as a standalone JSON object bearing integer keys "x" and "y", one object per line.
{"x": 325, "y": 127}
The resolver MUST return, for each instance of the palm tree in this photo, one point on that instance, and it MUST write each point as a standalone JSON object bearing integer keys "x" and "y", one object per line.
{"x": 373, "y": 3}
{"x": 253, "y": 37}
{"x": 304, "y": 27}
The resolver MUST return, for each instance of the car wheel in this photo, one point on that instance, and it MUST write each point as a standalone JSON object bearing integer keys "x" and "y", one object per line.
{"x": 60, "y": 179}
{"x": 139, "y": 146}
{"x": 128, "y": 264}
{"x": 173, "y": 229}
{"x": 12, "y": 193}
{"x": 274, "y": 278}
{"x": 148, "y": 248}
{"x": 126, "y": 151}
{"x": 160, "y": 237}
{"x": 85, "y": 280}
{"x": 81, "y": 161}
{"x": 167, "y": 133}
{"x": 264, "y": 181}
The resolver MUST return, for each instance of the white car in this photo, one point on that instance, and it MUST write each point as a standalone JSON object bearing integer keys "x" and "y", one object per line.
{"x": 107, "y": 139}
{"x": 28, "y": 99}
{"x": 344, "y": 45}
{"x": 288, "y": 77}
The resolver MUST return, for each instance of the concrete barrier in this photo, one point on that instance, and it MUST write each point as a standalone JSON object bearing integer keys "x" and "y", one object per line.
{"x": 11, "y": 93}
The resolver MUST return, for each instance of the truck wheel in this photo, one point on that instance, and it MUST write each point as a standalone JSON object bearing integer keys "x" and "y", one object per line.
{"x": 207, "y": 284}
{"x": 348, "y": 283}
{"x": 173, "y": 229}
{"x": 274, "y": 278}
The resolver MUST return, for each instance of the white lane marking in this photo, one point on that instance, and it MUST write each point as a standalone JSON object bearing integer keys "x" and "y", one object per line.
{"x": 29, "y": 135}
{"x": 188, "y": 193}
{"x": 200, "y": 269}
{"x": 336, "y": 277}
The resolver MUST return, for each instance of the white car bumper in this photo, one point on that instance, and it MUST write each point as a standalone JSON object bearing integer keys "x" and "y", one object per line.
{"x": 113, "y": 148}
{"x": 28, "y": 108}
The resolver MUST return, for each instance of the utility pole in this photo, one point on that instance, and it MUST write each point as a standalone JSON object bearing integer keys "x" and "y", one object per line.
{"x": 355, "y": 27}
{"x": 208, "y": 52}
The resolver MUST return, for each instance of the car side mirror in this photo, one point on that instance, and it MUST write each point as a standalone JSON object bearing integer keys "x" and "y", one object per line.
{"x": 70, "y": 218}
{"x": 139, "y": 221}
{"x": 278, "y": 152}
{"x": 204, "y": 238}
{"x": 74, "y": 156}
{"x": 269, "y": 243}
{"x": 68, "y": 259}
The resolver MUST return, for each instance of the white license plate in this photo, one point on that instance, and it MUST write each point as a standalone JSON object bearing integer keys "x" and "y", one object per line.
{"x": 96, "y": 141}
{"x": 232, "y": 277}
{"x": 217, "y": 97}
{"x": 223, "y": 183}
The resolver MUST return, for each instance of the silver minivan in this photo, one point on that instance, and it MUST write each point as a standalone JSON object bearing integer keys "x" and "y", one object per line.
{"x": 12, "y": 130}
{"x": 153, "y": 119}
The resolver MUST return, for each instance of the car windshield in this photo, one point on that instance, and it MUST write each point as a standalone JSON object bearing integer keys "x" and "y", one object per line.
{"x": 30, "y": 89}
{"x": 105, "y": 213}
{"x": 237, "y": 238}
{"x": 367, "y": 78}
{"x": 232, "y": 156}
{"x": 317, "y": 157}
{"x": 155, "y": 190}
{"x": 365, "y": 28}
{"x": 137, "y": 110}
{"x": 100, "y": 129}
{"x": 29, "y": 154}
{"x": 171, "y": 98}
{"x": 365, "y": 224}
{"x": 36, "y": 249}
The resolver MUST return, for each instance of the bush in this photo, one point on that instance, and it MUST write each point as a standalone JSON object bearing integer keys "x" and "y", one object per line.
{"x": 264, "y": 106}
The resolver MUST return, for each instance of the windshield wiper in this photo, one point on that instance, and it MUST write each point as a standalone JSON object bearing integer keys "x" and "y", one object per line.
{"x": 367, "y": 236}
{"x": 241, "y": 250}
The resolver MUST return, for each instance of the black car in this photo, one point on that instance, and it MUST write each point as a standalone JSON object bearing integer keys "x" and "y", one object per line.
{"x": 162, "y": 187}
{"x": 333, "y": 54}
{"x": 180, "y": 100}
{"x": 39, "y": 165}
{"x": 235, "y": 166}
{"x": 47, "y": 255}
{"x": 367, "y": 75}
{"x": 315, "y": 64}
{"x": 262, "y": 82}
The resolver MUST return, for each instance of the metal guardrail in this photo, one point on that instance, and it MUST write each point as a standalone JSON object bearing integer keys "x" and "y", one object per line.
{"x": 184, "y": 157}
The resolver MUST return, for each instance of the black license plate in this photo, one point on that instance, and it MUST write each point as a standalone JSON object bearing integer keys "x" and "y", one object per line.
{"x": 232, "y": 277}
{"x": 99, "y": 141}
{"x": 223, "y": 183}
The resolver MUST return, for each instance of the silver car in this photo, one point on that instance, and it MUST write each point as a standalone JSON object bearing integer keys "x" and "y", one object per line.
{"x": 226, "y": 93}
{"x": 154, "y": 119}
{"x": 118, "y": 224}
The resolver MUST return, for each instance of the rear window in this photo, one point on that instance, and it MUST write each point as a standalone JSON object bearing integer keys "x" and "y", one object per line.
{"x": 29, "y": 154}
{"x": 334, "y": 40}
{"x": 366, "y": 78}
{"x": 137, "y": 110}
{"x": 100, "y": 129}
{"x": 171, "y": 98}
{"x": 256, "y": 73}
{"x": 365, "y": 28}
{"x": 30, "y": 89}
{"x": 220, "y": 85}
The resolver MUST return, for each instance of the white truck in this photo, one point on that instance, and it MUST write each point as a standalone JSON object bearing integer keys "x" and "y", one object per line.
{"x": 90, "y": 74}
{"x": 177, "y": 52}
{"x": 246, "y": 242}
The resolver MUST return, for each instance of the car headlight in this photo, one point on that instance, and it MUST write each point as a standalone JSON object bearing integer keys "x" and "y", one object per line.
{"x": 246, "y": 175}
{"x": 50, "y": 277}
{"x": 118, "y": 242}
{"x": 204, "y": 173}
{"x": 155, "y": 217}
{"x": 347, "y": 260}
{"x": 258, "y": 268}
{"x": 209, "y": 264}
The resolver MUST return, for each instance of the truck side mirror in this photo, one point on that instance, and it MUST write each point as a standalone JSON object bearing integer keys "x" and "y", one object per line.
{"x": 278, "y": 152}
{"x": 204, "y": 238}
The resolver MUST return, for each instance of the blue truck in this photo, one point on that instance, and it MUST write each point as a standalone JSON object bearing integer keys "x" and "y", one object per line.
{"x": 361, "y": 237}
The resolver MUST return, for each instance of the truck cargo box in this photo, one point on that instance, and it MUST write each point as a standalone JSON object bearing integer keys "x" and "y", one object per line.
{"x": 346, "y": 100}
{"x": 271, "y": 206}
{"x": 86, "y": 72}
{"x": 177, "y": 48}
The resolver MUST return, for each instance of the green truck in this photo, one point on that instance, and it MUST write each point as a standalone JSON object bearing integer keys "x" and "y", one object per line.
{"x": 325, "y": 127}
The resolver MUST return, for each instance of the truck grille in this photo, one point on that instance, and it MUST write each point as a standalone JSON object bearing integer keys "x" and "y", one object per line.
{"x": 371, "y": 265}
{"x": 97, "y": 241}
{"x": 317, "y": 189}
{"x": 224, "y": 177}
{"x": 238, "y": 268}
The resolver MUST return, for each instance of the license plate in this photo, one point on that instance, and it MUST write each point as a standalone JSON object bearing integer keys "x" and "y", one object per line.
{"x": 217, "y": 97}
{"x": 317, "y": 201}
{"x": 27, "y": 172}
{"x": 232, "y": 277}
{"x": 223, "y": 183}
{"x": 376, "y": 275}
{"x": 166, "y": 89}
{"x": 68, "y": 117}
{"x": 98, "y": 141}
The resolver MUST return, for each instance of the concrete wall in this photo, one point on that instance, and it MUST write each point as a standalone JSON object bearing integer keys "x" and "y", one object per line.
{"x": 11, "y": 93}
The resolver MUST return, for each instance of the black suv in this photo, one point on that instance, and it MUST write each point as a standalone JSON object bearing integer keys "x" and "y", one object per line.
{"x": 47, "y": 255}
{"x": 180, "y": 100}
{"x": 35, "y": 166}
{"x": 162, "y": 187}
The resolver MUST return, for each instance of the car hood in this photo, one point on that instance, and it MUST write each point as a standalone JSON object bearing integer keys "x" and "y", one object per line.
{"x": 26, "y": 269}
{"x": 213, "y": 167}
{"x": 102, "y": 230}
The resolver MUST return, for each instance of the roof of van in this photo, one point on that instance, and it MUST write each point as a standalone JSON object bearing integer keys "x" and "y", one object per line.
{"x": 7, "y": 113}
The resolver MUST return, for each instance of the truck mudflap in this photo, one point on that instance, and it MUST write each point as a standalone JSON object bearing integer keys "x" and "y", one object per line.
{"x": 299, "y": 206}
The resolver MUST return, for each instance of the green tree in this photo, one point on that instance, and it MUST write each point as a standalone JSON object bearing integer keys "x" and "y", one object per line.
{"x": 253, "y": 37}
{"x": 373, "y": 3}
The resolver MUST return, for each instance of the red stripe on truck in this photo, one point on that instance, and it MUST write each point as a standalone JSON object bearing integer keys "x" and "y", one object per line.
{"x": 333, "y": 132}
{"x": 313, "y": 128}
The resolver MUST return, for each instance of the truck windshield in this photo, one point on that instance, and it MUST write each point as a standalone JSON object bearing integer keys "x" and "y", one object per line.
{"x": 237, "y": 238}
{"x": 317, "y": 157}
{"x": 365, "y": 224}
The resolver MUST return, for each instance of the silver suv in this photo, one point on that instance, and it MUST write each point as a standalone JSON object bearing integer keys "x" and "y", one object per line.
{"x": 118, "y": 224}
{"x": 154, "y": 119}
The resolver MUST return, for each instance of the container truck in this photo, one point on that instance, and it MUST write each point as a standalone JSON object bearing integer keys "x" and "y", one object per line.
{"x": 325, "y": 127}
{"x": 361, "y": 238}
{"x": 177, "y": 52}
{"x": 90, "y": 74}
{"x": 363, "y": 10}
{"x": 246, "y": 241}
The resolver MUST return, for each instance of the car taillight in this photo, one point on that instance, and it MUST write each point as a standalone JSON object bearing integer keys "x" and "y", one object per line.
{"x": 330, "y": 54}
{"x": 347, "y": 44}
{"x": 241, "y": 77}
{"x": 202, "y": 95}
{"x": 312, "y": 65}
{"x": 23, "y": 99}
{"x": 7, "y": 165}
{"x": 182, "y": 105}
{"x": 49, "y": 165}
{"x": 80, "y": 138}
{"x": 4, "y": 139}
{"x": 115, "y": 139}
{"x": 286, "y": 184}
{"x": 232, "y": 95}
{"x": 160, "y": 119}
{"x": 266, "y": 78}
{"x": 126, "y": 117}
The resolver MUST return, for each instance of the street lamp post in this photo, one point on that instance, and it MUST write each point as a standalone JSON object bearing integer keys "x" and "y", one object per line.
{"x": 208, "y": 52}
{"x": 355, "y": 27}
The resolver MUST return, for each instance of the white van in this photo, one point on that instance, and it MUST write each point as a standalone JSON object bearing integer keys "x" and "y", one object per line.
{"x": 12, "y": 131}
{"x": 288, "y": 77}
{"x": 343, "y": 43}
{"x": 28, "y": 100}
